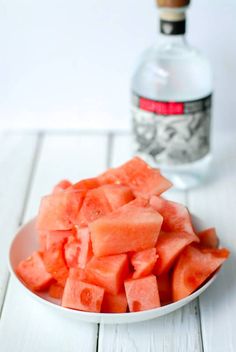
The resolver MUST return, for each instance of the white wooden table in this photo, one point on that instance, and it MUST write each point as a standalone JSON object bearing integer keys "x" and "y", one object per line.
{"x": 30, "y": 164}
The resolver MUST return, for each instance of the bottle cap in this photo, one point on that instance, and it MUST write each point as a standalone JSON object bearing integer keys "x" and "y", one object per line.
{"x": 173, "y": 3}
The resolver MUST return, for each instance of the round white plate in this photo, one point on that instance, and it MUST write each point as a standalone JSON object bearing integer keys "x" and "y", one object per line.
{"x": 25, "y": 242}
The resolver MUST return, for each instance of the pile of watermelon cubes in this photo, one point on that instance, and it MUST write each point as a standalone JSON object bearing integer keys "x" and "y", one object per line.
{"x": 111, "y": 244}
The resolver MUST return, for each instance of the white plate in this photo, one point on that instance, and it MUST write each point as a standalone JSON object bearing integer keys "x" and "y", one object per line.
{"x": 25, "y": 242}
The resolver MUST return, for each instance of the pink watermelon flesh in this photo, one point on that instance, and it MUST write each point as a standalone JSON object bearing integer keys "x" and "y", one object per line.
{"x": 176, "y": 217}
{"x": 169, "y": 246}
{"x": 77, "y": 274}
{"x": 111, "y": 176}
{"x": 193, "y": 267}
{"x": 59, "y": 211}
{"x": 142, "y": 179}
{"x": 61, "y": 186}
{"x": 86, "y": 184}
{"x": 72, "y": 251}
{"x": 117, "y": 195}
{"x": 78, "y": 249}
{"x": 208, "y": 238}
{"x": 129, "y": 228}
{"x": 108, "y": 272}
{"x": 143, "y": 262}
{"x": 54, "y": 261}
{"x": 55, "y": 290}
{"x": 55, "y": 237}
{"x": 82, "y": 296}
{"x": 139, "y": 202}
{"x": 114, "y": 303}
{"x": 139, "y": 176}
{"x": 42, "y": 240}
{"x": 86, "y": 252}
{"x": 94, "y": 206}
{"x": 142, "y": 294}
{"x": 33, "y": 272}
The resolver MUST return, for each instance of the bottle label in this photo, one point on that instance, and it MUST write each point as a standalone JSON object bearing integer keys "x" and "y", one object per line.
{"x": 172, "y": 27}
{"x": 172, "y": 132}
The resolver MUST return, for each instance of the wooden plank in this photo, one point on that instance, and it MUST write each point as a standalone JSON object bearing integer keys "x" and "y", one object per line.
{"x": 16, "y": 158}
{"x": 37, "y": 328}
{"x": 179, "y": 331}
{"x": 215, "y": 202}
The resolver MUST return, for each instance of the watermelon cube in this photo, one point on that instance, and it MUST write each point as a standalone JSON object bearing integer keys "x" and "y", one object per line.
{"x": 208, "y": 238}
{"x": 55, "y": 264}
{"x": 169, "y": 246}
{"x": 129, "y": 228}
{"x": 142, "y": 179}
{"x": 114, "y": 303}
{"x": 33, "y": 272}
{"x": 94, "y": 206}
{"x": 143, "y": 262}
{"x": 193, "y": 267}
{"x": 108, "y": 272}
{"x": 59, "y": 211}
{"x": 117, "y": 195}
{"x": 82, "y": 296}
{"x": 176, "y": 216}
{"x": 142, "y": 294}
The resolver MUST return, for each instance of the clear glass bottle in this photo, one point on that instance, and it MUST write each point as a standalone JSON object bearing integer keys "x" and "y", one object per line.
{"x": 171, "y": 103}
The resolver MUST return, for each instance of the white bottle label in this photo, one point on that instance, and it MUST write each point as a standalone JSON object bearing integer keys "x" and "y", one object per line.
{"x": 171, "y": 133}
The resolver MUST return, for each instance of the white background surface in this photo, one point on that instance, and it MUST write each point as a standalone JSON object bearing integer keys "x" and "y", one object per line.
{"x": 67, "y": 63}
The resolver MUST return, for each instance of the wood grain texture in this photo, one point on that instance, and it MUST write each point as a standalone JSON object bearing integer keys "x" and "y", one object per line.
{"x": 215, "y": 202}
{"x": 16, "y": 158}
{"x": 37, "y": 329}
{"x": 30, "y": 326}
{"x": 179, "y": 331}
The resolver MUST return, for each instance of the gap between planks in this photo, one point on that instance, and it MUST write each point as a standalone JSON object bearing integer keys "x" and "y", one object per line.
{"x": 198, "y": 309}
{"x": 109, "y": 153}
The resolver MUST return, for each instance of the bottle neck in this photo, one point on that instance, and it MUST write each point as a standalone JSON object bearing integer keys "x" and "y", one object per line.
{"x": 173, "y": 24}
{"x": 173, "y": 40}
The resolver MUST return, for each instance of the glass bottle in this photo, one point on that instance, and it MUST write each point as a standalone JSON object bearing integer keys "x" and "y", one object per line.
{"x": 171, "y": 102}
